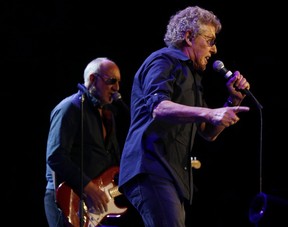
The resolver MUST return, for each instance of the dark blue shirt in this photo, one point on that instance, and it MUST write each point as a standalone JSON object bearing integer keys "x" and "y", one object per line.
{"x": 161, "y": 147}
{"x": 64, "y": 145}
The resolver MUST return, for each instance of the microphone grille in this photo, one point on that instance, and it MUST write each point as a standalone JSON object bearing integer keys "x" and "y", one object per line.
{"x": 218, "y": 65}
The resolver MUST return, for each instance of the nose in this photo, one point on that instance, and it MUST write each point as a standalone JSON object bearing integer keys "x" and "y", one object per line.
{"x": 214, "y": 49}
{"x": 116, "y": 86}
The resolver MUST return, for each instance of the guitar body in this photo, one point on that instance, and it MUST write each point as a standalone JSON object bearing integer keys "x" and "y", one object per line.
{"x": 69, "y": 202}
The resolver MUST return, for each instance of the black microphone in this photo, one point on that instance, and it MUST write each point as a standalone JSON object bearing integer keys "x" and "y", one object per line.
{"x": 219, "y": 67}
{"x": 116, "y": 96}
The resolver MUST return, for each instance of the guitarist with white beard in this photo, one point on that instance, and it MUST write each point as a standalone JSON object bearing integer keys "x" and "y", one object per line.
{"x": 82, "y": 155}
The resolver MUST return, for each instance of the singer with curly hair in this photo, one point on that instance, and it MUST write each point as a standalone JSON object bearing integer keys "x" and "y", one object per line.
{"x": 167, "y": 109}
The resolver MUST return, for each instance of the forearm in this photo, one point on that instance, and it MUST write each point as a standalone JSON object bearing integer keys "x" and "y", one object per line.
{"x": 167, "y": 110}
{"x": 179, "y": 113}
{"x": 211, "y": 122}
{"x": 210, "y": 132}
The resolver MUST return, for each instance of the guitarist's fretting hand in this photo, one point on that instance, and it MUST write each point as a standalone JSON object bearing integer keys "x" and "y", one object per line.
{"x": 95, "y": 197}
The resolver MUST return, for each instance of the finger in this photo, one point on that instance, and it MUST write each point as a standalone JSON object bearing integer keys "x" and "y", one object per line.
{"x": 238, "y": 109}
{"x": 247, "y": 86}
{"x": 101, "y": 208}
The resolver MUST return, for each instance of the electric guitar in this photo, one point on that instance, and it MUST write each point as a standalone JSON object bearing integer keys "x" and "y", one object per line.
{"x": 69, "y": 202}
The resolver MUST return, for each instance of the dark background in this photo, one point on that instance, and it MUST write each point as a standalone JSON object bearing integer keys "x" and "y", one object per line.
{"x": 46, "y": 46}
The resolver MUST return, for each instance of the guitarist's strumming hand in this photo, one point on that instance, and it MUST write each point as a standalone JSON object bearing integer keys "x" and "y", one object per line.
{"x": 101, "y": 189}
{"x": 95, "y": 197}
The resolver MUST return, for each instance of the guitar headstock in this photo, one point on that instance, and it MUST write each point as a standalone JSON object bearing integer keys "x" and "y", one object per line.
{"x": 195, "y": 163}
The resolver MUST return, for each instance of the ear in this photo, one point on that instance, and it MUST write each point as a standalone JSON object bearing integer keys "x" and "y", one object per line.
{"x": 92, "y": 78}
{"x": 188, "y": 38}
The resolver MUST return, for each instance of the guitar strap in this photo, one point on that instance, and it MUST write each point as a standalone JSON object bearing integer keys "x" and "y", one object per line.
{"x": 56, "y": 185}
